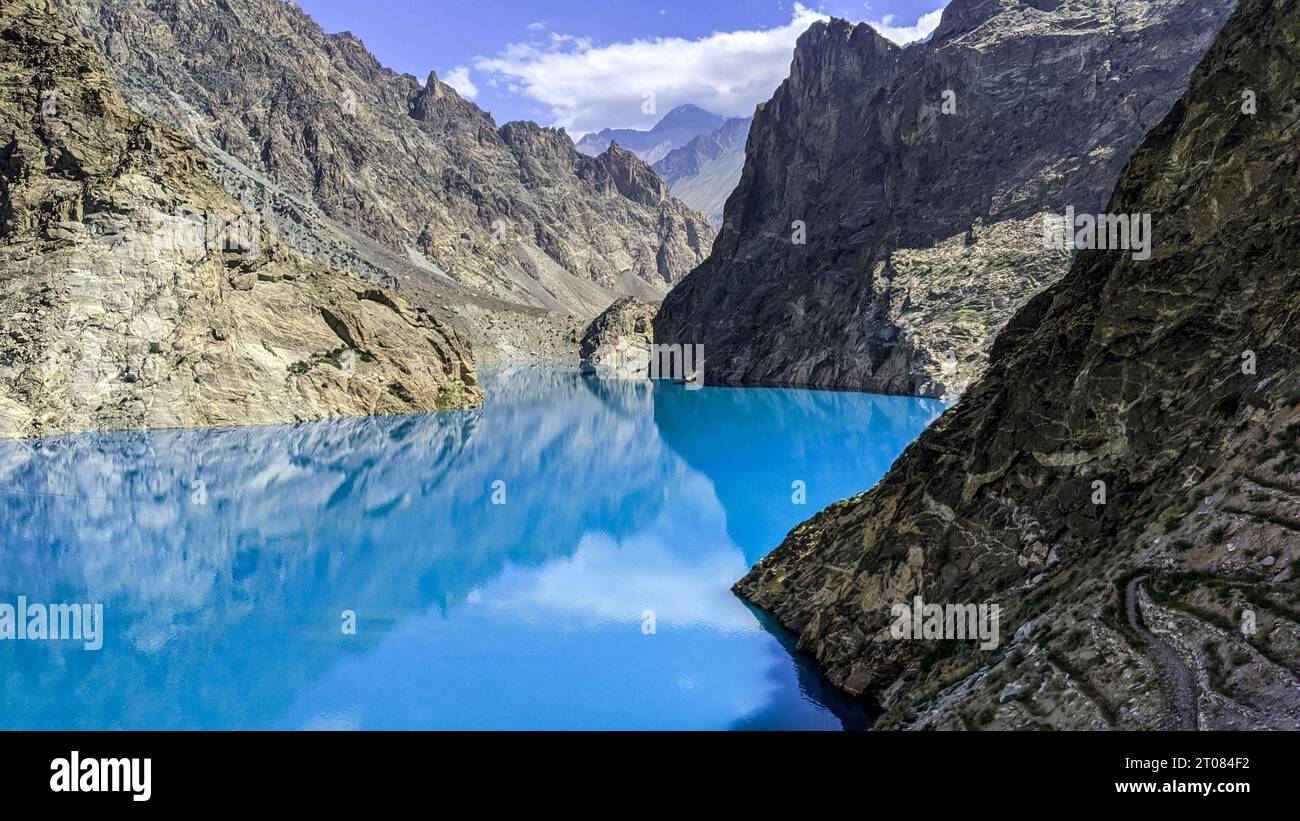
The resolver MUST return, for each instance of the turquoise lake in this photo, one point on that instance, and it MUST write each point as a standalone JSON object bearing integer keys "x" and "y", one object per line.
{"x": 597, "y": 596}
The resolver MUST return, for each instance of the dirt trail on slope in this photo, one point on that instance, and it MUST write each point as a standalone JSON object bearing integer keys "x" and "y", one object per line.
{"x": 1176, "y": 680}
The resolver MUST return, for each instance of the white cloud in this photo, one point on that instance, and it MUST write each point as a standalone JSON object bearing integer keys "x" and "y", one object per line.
{"x": 925, "y": 26}
{"x": 597, "y": 584}
{"x": 458, "y": 78}
{"x": 587, "y": 87}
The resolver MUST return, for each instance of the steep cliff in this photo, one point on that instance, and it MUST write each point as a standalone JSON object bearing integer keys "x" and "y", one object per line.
{"x": 136, "y": 293}
{"x": 396, "y": 180}
{"x": 1124, "y": 481}
{"x": 889, "y": 219}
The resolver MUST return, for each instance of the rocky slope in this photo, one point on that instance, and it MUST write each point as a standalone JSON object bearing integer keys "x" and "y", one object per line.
{"x": 705, "y": 171}
{"x": 395, "y": 180}
{"x": 917, "y": 179}
{"x": 1124, "y": 481}
{"x": 138, "y": 294}
{"x": 676, "y": 129}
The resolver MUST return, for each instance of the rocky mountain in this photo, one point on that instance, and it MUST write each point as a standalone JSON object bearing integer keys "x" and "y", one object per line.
{"x": 398, "y": 181}
{"x": 890, "y": 216}
{"x": 1124, "y": 481}
{"x": 677, "y": 128}
{"x": 705, "y": 171}
{"x": 138, "y": 294}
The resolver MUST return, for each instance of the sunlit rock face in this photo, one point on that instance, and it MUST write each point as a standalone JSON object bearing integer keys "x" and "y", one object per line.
{"x": 889, "y": 219}
{"x": 396, "y": 179}
{"x": 1124, "y": 480}
{"x": 139, "y": 294}
{"x": 618, "y": 343}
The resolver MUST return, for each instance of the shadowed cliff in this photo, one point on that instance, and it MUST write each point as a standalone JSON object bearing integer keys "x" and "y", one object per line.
{"x": 1125, "y": 480}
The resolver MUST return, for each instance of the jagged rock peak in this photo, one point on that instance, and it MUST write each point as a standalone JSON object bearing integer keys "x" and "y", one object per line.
{"x": 353, "y": 162}
{"x": 837, "y": 51}
{"x": 889, "y": 218}
{"x": 629, "y": 175}
{"x": 961, "y": 17}
{"x": 825, "y": 34}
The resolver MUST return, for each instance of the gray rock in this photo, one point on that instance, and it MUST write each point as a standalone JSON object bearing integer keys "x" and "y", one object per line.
{"x": 400, "y": 181}
{"x": 1103, "y": 377}
{"x": 705, "y": 171}
{"x": 150, "y": 328}
{"x": 618, "y": 342}
{"x": 924, "y": 229}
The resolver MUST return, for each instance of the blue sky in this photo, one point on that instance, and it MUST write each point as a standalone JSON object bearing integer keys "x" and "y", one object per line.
{"x": 588, "y": 64}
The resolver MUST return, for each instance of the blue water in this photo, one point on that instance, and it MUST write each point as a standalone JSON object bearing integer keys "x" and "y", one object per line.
{"x": 620, "y": 498}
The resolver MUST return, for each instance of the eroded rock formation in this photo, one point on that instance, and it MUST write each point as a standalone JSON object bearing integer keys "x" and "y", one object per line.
{"x": 396, "y": 180}
{"x": 138, "y": 294}
{"x": 889, "y": 219}
{"x": 1124, "y": 481}
{"x": 618, "y": 343}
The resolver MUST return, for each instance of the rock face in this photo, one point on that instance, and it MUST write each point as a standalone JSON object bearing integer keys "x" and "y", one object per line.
{"x": 1124, "y": 481}
{"x": 890, "y": 215}
{"x": 705, "y": 171}
{"x": 393, "y": 179}
{"x": 138, "y": 294}
{"x": 676, "y": 129}
{"x": 618, "y": 342}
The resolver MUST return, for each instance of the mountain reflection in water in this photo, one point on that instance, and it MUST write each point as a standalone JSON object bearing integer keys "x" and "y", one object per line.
{"x": 225, "y": 561}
